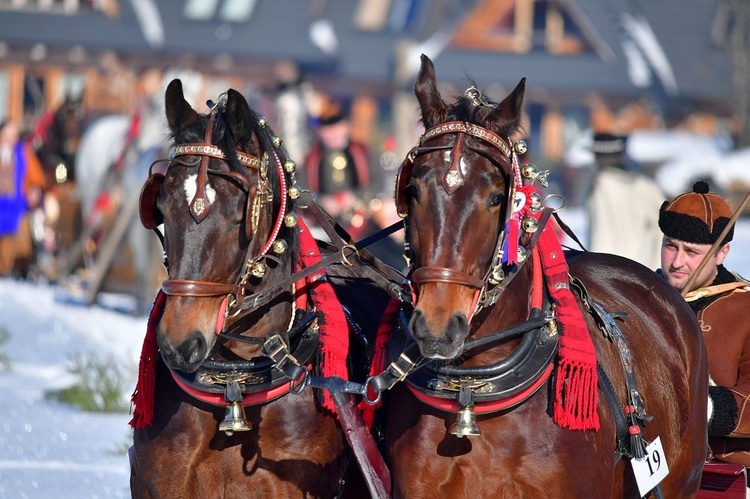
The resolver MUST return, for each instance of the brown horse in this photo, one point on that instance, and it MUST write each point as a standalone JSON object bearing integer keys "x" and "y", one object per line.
{"x": 462, "y": 190}
{"x": 233, "y": 243}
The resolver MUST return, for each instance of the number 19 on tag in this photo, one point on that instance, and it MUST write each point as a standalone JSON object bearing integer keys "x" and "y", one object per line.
{"x": 651, "y": 468}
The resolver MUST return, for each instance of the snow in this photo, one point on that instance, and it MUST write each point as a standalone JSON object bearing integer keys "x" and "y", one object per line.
{"x": 51, "y": 450}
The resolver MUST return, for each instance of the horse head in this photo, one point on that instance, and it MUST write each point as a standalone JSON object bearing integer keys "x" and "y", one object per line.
{"x": 456, "y": 188}
{"x": 222, "y": 202}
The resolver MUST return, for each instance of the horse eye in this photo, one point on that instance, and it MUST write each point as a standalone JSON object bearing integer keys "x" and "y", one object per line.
{"x": 496, "y": 200}
{"x": 411, "y": 192}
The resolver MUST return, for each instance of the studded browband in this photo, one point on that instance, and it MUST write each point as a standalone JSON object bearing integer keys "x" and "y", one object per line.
{"x": 470, "y": 129}
{"x": 214, "y": 152}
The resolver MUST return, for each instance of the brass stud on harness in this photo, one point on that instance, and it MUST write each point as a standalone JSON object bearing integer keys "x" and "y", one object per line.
{"x": 290, "y": 166}
{"x": 290, "y": 220}
{"x": 520, "y": 146}
{"x": 536, "y": 202}
{"x": 262, "y": 121}
{"x": 279, "y": 246}
{"x": 529, "y": 224}
{"x": 259, "y": 270}
{"x": 277, "y": 141}
{"x": 521, "y": 254}
{"x": 497, "y": 276}
{"x": 295, "y": 192}
{"x": 529, "y": 171}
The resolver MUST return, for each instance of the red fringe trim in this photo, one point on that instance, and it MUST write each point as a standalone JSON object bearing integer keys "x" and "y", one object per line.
{"x": 142, "y": 401}
{"x": 576, "y": 396}
{"x": 334, "y": 329}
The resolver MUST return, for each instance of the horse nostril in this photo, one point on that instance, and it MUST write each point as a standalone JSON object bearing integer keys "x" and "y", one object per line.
{"x": 192, "y": 350}
{"x": 417, "y": 325}
{"x": 458, "y": 327}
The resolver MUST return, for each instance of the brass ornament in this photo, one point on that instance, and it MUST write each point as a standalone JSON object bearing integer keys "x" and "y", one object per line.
{"x": 521, "y": 254}
{"x": 277, "y": 141}
{"x": 262, "y": 121}
{"x": 234, "y": 419}
{"x": 520, "y": 146}
{"x": 279, "y": 246}
{"x": 536, "y": 202}
{"x": 259, "y": 269}
{"x": 529, "y": 224}
{"x": 295, "y": 192}
{"x": 290, "y": 166}
{"x": 290, "y": 220}
{"x": 466, "y": 423}
{"x": 529, "y": 171}
{"x": 497, "y": 276}
{"x": 199, "y": 206}
{"x": 452, "y": 179}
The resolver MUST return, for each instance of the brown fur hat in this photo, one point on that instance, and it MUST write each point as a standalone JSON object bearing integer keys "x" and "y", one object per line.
{"x": 696, "y": 217}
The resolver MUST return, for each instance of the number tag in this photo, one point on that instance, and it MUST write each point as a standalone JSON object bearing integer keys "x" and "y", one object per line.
{"x": 651, "y": 468}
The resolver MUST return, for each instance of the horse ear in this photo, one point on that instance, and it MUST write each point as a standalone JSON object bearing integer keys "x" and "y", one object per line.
{"x": 239, "y": 116}
{"x": 434, "y": 109}
{"x": 179, "y": 112}
{"x": 507, "y": 115}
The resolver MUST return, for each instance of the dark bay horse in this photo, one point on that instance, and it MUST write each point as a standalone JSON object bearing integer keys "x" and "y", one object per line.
{"x": 232, "y": 323}
{"x": 513, "y": 346}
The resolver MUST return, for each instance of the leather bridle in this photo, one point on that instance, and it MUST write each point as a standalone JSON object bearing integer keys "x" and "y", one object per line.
{"x": 200, "y": 206}
{"x": 503, "y": 154}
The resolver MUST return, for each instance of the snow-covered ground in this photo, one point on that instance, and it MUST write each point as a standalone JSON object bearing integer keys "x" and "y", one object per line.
{"x": 50, "y": 450}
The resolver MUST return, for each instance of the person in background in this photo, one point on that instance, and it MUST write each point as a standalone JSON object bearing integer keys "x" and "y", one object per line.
{"x": 623, "y": 205}
{"x": 22, "y": 185}
{"x": 692, "y": 223}
{"x": 338, "y": 170}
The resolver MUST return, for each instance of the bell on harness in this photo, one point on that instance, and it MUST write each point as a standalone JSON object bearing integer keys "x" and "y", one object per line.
{"x": 234, "y": 420}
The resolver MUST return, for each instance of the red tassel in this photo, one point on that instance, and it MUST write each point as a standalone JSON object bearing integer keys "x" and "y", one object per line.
{"x": 576, "y": 397}
{"x": 143, "y": 396}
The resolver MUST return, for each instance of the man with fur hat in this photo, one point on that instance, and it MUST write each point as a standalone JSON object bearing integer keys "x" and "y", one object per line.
{"x": 691, "y": 224}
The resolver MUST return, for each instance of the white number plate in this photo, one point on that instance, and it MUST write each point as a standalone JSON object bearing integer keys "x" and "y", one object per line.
{"x": 651, "y": 468}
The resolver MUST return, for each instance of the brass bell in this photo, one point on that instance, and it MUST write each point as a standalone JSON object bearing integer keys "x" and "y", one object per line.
{"x": 295, "y": 192}
{"x": 521, "y": 254}
{"x": 262, "y": 121}
{"x": 279, "y": 246}
{"x": 277, "y": 141}
{"x": 536, "y": 201}
{"x": 530, "y": 171}
{"x": 259, "y": 269}
{"x": 290, "y": 166}
{"x": 529, "y": 224}
{"x": 234, "y": 420}
{"x": 290, "y": 220}
{"x": 497, "y": 276}
{"x": 466, "y": 423}
{"x": 520, "y": 146}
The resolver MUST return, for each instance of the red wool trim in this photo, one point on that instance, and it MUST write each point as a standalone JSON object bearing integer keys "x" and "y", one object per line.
{"x": 576, "y": 397}
{"x": 334, "y": 329}
{"x": 143, "y": 396}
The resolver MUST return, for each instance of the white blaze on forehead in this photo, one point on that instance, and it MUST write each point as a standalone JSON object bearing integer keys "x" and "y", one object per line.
{"x": 191, "y": 187}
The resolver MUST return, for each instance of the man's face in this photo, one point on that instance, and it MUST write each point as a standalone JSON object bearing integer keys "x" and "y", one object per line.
{"x": 680, "y": 259}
